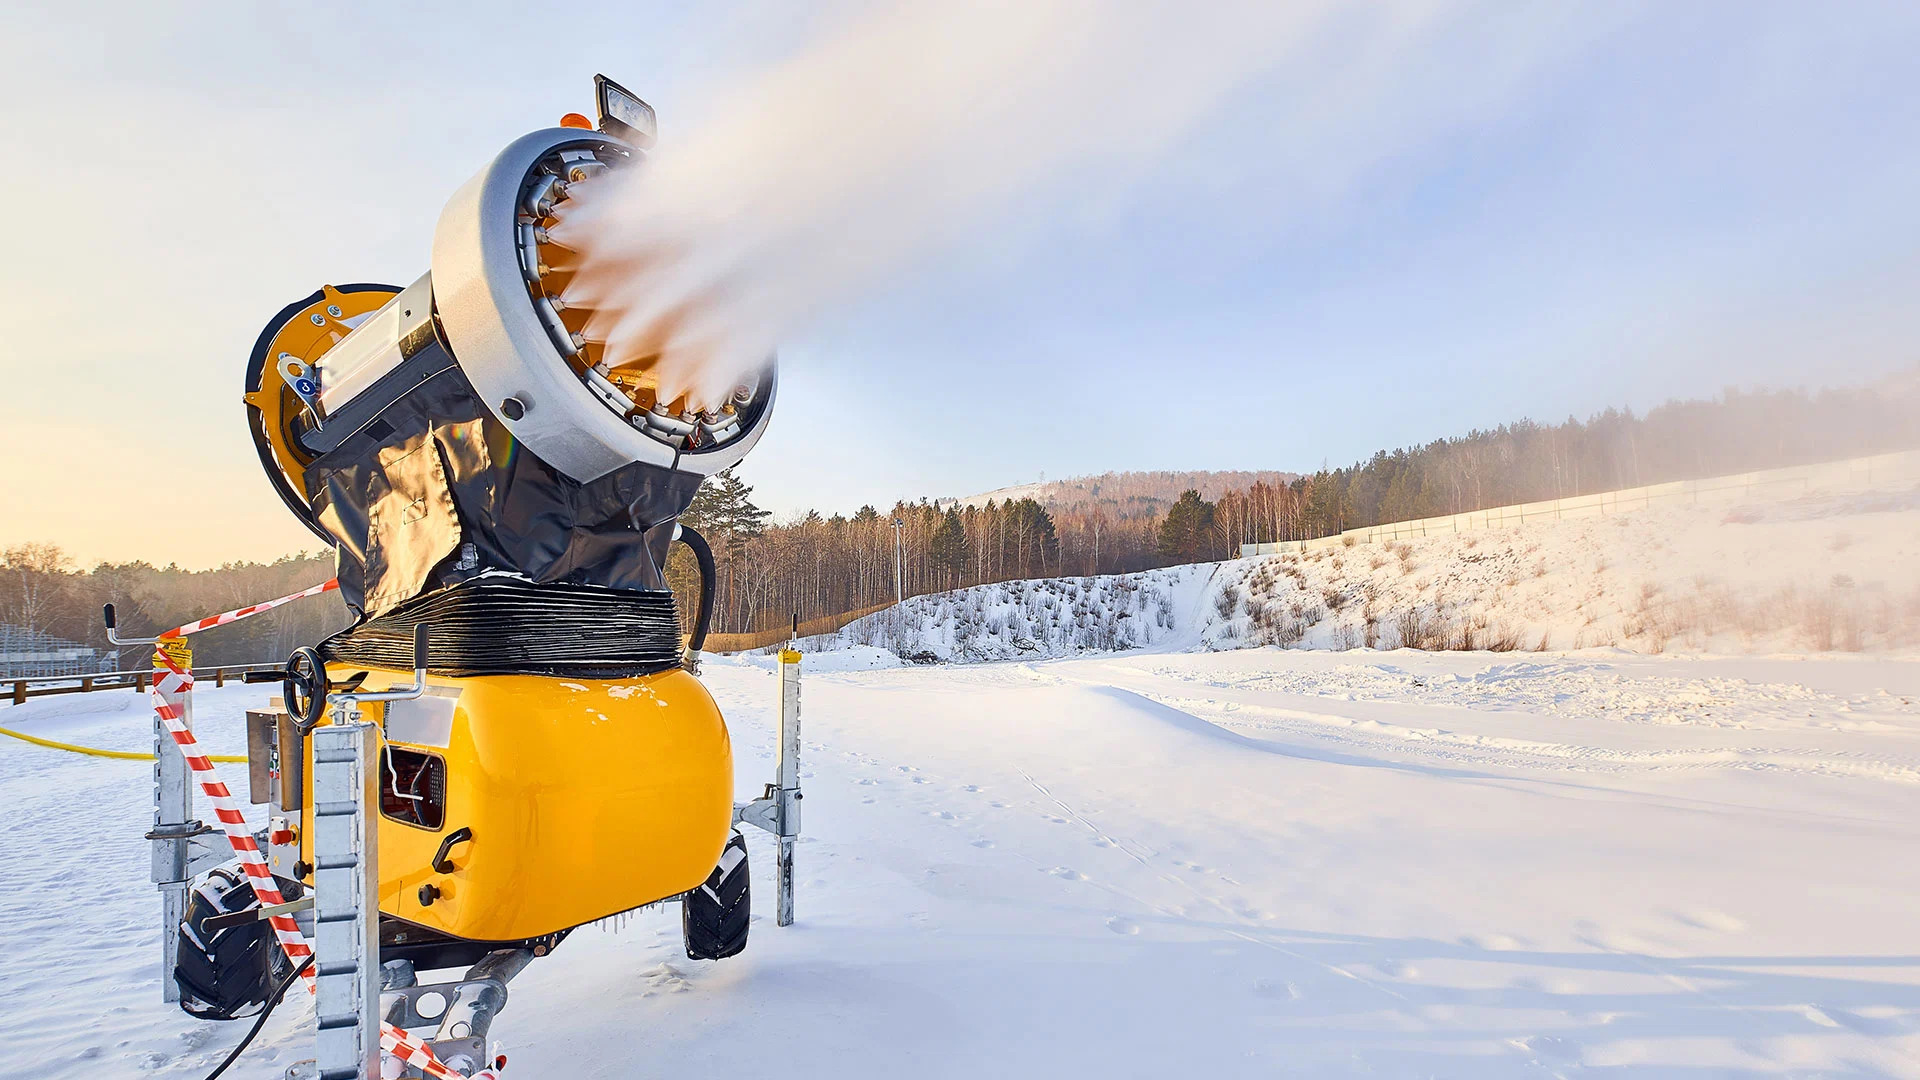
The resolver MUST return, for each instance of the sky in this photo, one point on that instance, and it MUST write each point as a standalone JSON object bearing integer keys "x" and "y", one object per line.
{"x": 1102, "y": 237}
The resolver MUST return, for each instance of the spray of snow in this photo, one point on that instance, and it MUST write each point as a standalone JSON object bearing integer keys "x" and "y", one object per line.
{"x": 902, "y": 129}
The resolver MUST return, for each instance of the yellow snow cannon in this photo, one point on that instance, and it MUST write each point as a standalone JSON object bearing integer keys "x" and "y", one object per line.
{"x": 482, "y": 470}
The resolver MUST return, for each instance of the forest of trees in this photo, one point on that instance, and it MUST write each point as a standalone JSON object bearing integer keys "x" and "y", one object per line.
{"x": 41, "y": 591}
{"x": 1122, "y": 522}
{"x": 817, "y": 564}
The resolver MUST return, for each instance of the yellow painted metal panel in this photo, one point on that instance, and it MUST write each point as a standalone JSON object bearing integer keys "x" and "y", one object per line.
{"x": 586, "y": 798}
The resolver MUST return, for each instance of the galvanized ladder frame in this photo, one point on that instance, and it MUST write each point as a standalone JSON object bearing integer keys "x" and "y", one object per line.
{"x": 346, "y": 911}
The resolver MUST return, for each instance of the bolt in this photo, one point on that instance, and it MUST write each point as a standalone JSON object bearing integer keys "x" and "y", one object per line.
{"x": 333, "y": 310}
{"x": 318, "y": 319}
{"x": 513, "y": 408}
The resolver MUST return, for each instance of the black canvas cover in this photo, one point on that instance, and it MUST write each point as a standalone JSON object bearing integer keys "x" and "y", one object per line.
{"x": 420, "y": 489}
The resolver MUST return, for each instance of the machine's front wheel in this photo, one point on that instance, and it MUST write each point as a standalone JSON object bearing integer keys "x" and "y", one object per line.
{"x": 714, "y": 916}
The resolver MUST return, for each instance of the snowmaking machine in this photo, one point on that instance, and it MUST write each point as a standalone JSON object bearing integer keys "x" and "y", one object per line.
{"x": 501, "y": 493}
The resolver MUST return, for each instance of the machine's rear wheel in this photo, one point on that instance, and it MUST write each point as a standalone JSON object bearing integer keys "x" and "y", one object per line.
{"x": 224, "y": 973}
{"x": 714, "y": 916}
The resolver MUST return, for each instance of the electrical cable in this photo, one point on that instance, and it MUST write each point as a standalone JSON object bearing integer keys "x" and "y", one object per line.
{"x": 262, "y": 1021}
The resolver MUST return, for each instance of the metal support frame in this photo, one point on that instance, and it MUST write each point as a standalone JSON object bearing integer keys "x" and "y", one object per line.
{"x": 778, "y": 809}
{"x": 346, "y": 904}
{"x": 174, "y": 826}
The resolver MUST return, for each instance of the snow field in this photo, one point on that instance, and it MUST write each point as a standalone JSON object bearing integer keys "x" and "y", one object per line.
{"x": 1241, "y": 863}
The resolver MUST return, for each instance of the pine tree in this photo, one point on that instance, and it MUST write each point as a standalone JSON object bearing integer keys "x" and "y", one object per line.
{"x": 1186, "y": 535}
{"x": 723, "y": 511}
{"x": 948, "y": 549}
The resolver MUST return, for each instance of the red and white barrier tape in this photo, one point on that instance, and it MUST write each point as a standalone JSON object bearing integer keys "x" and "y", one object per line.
{"x": 237, "y": 614}
{"x": 169, "y": 703}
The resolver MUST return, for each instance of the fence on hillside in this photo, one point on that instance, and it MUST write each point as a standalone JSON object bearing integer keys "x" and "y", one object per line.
{"x": 760, "y": 639}
{"x": 1856, "y": 474}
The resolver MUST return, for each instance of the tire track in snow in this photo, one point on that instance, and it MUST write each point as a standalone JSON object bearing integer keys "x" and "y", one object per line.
{"x": 1487, "y": 750}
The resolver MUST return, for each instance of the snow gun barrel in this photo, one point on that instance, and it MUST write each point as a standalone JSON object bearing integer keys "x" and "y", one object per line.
{"x": 479, "y": 379}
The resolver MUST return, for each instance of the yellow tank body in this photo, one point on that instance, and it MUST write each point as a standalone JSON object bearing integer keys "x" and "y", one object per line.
{"x": 585, "y": 798}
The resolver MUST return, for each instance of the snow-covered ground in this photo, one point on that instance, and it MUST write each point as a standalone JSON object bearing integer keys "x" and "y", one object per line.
{"x": 1247, "y": 863}
{"x": 1819, "y": 572}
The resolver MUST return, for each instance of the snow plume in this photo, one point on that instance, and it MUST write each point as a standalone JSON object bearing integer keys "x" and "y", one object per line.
{"x": 897, "y": 130}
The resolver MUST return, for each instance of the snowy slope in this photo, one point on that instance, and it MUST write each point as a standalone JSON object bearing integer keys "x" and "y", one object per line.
{"x": 1249, "y": 863}
{"x": 1816, "y": 573}
{"x": 1029, "y": 620}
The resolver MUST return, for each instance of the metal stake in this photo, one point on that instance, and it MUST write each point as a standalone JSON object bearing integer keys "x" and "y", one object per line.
{"x": 777, "y": 810}
{"x": 173, "y": 828}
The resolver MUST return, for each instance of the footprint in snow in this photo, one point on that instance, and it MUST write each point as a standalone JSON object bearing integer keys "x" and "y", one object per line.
{"x": 1120, "y": 924}
{"x": 1276, "y": 989}
{"x": 1067, "y": 873}
{"x": 1548, "y": 1047}
{"x": 983, "y": 842}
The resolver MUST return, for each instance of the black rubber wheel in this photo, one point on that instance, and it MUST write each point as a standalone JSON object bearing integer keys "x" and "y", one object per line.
{"x": 224, "y": 973}
{"x": 714, "y": 916}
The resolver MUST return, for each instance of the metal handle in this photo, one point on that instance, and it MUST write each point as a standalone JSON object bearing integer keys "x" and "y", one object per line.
{"x": 441, "y": 864}
{"x": 114, "y": 638}
{"x": 399, "y": 693}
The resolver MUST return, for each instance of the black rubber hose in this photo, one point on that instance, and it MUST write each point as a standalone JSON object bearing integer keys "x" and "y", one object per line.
{"x": 703, "y": 555}
{"x": 264, "y": 1013}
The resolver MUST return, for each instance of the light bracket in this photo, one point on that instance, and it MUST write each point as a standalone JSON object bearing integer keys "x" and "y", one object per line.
{"x": 622, "y": 114}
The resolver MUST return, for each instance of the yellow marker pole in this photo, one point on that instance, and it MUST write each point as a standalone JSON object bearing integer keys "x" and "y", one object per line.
{"x": 787, "y": 778}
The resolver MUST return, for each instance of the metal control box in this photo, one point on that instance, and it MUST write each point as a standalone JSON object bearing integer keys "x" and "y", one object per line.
{"x": 276, "y": 765}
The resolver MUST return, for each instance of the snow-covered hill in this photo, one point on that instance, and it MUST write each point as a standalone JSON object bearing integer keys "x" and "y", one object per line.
{"x": 1817, "y": 573}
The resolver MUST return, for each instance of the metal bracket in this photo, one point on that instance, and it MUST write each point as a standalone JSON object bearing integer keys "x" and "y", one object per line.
{"x": 777, "y": 811}
{"x": 183, "y": 830}
{"x": 426, "y": 1004}
{"x": 265, "y": 911}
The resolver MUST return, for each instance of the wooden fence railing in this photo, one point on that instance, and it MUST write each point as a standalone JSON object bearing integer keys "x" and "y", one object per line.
{"x": 138, "y": 680}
